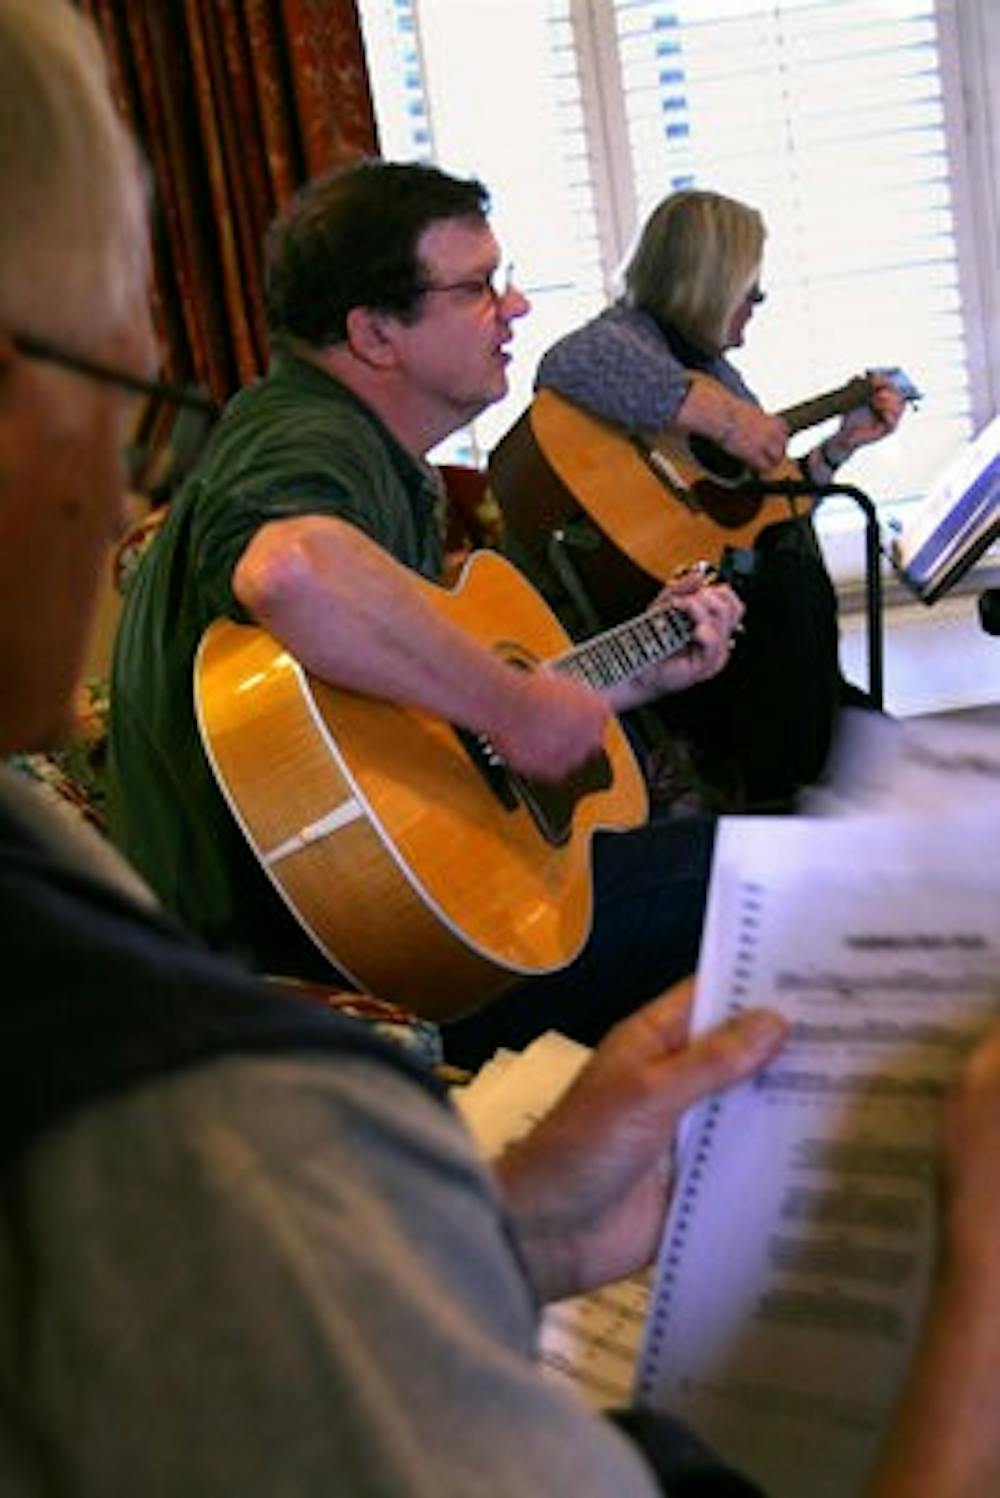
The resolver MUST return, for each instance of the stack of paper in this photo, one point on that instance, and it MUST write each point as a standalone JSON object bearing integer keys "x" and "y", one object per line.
{"x": 589, "y": 1343}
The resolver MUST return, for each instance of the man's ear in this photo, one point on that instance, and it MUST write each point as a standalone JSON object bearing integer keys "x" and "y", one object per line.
{"x": 371, "y": 336}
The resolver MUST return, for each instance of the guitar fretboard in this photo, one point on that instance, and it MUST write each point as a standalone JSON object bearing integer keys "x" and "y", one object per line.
{"x": 622, "y": 652}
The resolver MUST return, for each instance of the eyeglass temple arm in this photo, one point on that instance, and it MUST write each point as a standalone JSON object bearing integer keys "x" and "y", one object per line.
{"x": 180, "y": 395}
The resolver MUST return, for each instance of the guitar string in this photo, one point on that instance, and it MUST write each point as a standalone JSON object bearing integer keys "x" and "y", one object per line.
{"x": 618, "y": 653}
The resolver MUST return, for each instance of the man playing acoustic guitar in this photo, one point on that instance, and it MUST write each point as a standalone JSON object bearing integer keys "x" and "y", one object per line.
{"x": 656, "y": 360}
{"x": 308, "y": 515}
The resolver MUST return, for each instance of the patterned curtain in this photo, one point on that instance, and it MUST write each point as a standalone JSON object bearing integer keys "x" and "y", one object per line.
{"x": 236, "y": 103}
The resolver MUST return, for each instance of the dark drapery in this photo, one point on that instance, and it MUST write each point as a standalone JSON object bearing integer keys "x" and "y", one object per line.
{"x": 236, "y": 103}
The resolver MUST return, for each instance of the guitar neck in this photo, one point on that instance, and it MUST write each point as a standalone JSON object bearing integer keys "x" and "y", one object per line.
{"x": 834, "y": 403}
{"x": 621, "y": 653}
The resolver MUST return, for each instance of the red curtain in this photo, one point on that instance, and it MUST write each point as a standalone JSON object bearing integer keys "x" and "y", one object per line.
{"x": 236, "y": 103}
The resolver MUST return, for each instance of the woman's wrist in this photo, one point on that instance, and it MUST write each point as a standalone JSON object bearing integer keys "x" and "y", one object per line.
{"x": 832, "y": 456}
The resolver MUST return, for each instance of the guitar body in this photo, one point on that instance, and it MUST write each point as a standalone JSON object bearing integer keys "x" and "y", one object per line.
{"x": 381, "y": 833}
{"x": 559, "y": 463}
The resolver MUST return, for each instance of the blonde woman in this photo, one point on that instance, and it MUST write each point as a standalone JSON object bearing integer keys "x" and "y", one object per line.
{"x": 659, "y": 358}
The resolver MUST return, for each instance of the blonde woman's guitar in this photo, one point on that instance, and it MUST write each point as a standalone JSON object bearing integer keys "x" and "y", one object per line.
{"x": 427, "y": 870}
{"x": 657, "y": 502}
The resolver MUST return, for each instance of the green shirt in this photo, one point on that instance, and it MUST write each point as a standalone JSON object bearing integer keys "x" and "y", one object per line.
{"x": 296, "y": 442}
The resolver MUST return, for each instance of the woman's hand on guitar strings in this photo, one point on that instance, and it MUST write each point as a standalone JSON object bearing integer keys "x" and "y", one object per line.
{"x": 740, "y": 427}
{"x": 754, "y": 435}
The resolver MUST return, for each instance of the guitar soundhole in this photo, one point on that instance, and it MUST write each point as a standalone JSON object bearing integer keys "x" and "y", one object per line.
{"x": 721, "y": 465}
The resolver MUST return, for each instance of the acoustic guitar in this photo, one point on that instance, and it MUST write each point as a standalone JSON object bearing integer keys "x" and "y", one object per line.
{"x": 426, "y": 870}
{"x": 654, "y": 503}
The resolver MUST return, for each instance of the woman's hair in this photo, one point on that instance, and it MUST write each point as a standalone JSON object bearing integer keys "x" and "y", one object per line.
{"x": 697, "y": 257}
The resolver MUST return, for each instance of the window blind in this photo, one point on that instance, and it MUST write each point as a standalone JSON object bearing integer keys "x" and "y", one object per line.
{"x": 829, "y": 116}
{"x": 837, "y": 118}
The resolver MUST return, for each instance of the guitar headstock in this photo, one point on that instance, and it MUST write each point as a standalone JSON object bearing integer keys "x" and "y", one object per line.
{"x": 901, "y": 380}
{"x": 857, "y": 392}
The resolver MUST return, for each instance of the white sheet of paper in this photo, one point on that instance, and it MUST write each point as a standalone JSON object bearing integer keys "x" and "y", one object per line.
{"x": 795, "y": 1263}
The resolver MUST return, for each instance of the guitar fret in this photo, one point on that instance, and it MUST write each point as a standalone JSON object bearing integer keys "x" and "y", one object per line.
{"x": 650, "y": 638}
{"x": 603, "y": 663}
{"x": 584, "y": 666}
{"x": 619, "y": 655}
{"x": 672, "y": 630}
{"x": 659, "y": 637}
{"x": 622, "y": 652}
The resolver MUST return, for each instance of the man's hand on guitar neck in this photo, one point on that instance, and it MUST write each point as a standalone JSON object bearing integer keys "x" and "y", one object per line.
{"x": 739, "y": 427}
{"x": 549, "y": 724}
{"x": 552, "y": 723}
{"x": 715, "y": 613}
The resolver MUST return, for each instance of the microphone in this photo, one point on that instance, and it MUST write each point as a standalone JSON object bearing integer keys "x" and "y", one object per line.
{"x": 989, "y": 611}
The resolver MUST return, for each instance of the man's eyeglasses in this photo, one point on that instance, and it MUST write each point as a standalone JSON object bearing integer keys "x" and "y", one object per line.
{"x": 493, "y": 288}
{"x": 196, "y": 411}
{"x": 185, "y": 396}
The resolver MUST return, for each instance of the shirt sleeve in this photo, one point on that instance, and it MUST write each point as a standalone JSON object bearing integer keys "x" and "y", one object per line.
{"x": 618, "y": 366}
{"x": 304, "y": 475}
{"x": 282, "y": 1275}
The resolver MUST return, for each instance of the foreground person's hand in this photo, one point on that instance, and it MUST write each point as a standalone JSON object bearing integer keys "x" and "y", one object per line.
{"x": 589, "y": 1186}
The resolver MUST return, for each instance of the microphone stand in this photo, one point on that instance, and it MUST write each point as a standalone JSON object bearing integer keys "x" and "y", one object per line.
{"x": 798, "y": 488}
{"x": 569, "y": 537}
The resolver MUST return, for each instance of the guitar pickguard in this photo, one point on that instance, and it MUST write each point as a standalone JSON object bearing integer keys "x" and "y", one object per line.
{"x": 551, "y": 804}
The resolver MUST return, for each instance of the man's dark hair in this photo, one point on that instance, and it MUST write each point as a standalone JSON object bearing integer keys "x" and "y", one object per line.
{"x": 350, "y": 240}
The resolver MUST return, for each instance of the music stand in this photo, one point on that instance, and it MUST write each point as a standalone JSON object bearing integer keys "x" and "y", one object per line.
{"x": 957, "y": 521}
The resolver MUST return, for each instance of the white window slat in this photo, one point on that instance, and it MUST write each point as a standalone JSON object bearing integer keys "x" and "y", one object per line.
{"x": 831, "y": 116}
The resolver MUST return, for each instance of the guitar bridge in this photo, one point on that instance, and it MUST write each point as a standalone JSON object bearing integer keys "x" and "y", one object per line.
{"x": 664, "y": 471}
{"x": 490, "y": 766}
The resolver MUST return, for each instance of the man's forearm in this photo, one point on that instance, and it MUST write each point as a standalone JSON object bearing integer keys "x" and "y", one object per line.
{"x": 355, "y": 617}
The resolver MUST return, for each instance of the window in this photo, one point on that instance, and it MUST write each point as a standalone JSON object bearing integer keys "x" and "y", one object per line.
{"x": 845, "y": 121}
